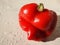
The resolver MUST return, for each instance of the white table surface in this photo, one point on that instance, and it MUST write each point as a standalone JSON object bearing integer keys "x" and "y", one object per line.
{"x": 10, "y": 31}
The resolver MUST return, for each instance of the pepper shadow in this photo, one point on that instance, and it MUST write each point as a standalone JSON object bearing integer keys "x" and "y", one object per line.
{"x": 56, "y": 33}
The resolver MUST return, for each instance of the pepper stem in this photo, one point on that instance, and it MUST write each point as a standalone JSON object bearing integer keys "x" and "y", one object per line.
{"x": 40, "y": 7}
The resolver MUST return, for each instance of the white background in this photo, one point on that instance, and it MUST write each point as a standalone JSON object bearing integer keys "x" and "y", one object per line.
{"x": 10, "y": 31}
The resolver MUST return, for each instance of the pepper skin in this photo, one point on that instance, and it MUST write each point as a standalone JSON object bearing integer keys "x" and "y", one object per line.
{"x": 38, "y": 24}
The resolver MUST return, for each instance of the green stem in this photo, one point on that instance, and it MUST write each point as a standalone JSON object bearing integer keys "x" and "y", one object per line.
{"x": 40, "y": 7}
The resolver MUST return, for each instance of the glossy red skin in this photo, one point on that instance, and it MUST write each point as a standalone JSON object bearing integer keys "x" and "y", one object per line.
{"x": 38, "y": 25}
